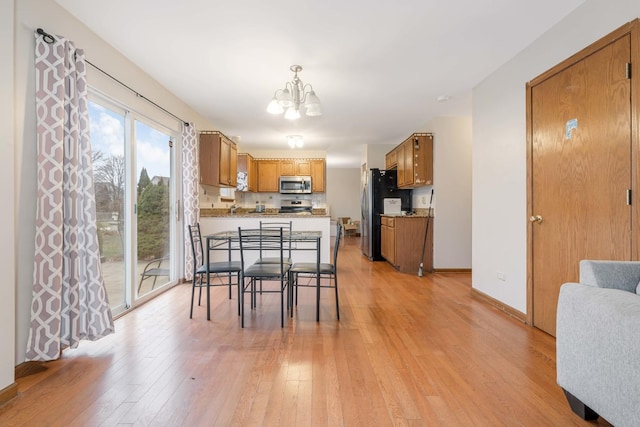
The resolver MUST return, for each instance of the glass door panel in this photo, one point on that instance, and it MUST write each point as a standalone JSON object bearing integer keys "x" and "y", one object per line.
{"x": 154, "y": 214}
{"x": 109, "y": 175}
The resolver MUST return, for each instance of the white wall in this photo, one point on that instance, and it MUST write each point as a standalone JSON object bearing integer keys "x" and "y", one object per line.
{"x": 499, "y": 147}
{"x": 7, "y": 194}
{"x": 343, "y": 192}
{"x": 452, "y": 191}
{"x": 374, "y": 154}
{"x": 31, "y": 14}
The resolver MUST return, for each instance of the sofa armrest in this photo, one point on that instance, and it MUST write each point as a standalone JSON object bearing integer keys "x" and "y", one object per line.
{"x": 623, "y": 275}
{"x": 597, "y": 347}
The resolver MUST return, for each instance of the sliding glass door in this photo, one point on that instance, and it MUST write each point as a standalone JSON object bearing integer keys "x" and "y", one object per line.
{"x": 135, "y": 199}
{"x": 154, "y": 199}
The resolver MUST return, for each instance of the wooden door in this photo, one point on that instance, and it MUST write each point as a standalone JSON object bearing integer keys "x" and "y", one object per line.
{"x": 580, "y": 124}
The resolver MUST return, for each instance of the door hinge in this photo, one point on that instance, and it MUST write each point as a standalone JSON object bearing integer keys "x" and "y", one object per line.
{"x": 627, "y": 70}
{"x": 629, "y": 197}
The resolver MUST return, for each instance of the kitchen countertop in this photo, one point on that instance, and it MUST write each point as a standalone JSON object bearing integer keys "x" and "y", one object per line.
{"x": 424, "y": 215}
{"x": 418, "y": 213}
{"x": 273, "y": 213}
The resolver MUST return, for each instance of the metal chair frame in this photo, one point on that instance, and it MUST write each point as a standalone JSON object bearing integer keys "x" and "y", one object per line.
{"x": 217, "y": 270}
{"x": 310, "y": 270}
{"x": 259, "y": 240}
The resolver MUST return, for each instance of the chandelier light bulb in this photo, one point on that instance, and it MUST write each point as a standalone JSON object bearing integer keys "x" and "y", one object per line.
{"x": 292, "y": 114}
{"x": 274, "y": 107}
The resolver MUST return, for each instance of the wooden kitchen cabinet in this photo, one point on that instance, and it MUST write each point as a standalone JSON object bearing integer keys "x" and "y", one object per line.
{"x": 402, "y": 238}
{"x": 270, "y": 171}
{"x": 413, "y": 161}
{"x": 248, "y": 165}
{"x": 318, "y": 174}
{"x": 388, "y": 239}
{"x": 268, "y": 175}
{"x": 409, "y": 166}
{"x": 295, "y": 167}
{"x": 400, "y": 165}
{"x": 218, "y": 160}
{"x": 391, "y": 159}
{"x": 423, "y": 159}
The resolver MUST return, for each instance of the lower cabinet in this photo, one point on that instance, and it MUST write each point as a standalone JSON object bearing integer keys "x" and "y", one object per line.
{"x": 402, "y": 238}
{"x": 388, "y": 239}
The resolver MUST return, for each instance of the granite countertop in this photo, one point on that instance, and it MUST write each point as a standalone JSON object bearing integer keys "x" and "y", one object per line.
{"x": 250, "y": 213}
{"x": 415, "y": 215}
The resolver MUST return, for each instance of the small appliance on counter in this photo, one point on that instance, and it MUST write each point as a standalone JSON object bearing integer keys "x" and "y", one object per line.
{"x": 392, "y": 206}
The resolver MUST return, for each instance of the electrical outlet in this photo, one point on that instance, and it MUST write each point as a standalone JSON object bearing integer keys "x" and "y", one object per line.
{"x": 501, "y": 276}
{"x": 423, "y": 200}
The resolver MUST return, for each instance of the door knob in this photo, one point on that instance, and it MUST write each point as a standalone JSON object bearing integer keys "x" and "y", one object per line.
{"x": 535, "y": 218}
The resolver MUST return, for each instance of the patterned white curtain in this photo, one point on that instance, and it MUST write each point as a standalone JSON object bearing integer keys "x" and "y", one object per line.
{"x": 190, "y": 195}
{"x": 69, "y": 297}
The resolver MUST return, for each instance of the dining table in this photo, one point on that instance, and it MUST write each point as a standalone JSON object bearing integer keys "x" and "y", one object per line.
{"x": 228, "y": 241}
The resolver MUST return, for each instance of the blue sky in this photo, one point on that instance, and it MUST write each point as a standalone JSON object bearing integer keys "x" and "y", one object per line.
{"x": 108, "y": 136}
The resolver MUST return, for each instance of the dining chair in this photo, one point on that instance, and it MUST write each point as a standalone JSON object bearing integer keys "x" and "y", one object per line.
{"x": 266, "y": 227}
{"x": 309, "y": 271}
{"x": 273, "y": 240}
{"x": 154, "y": 269}
{"x": 216, "y": 270}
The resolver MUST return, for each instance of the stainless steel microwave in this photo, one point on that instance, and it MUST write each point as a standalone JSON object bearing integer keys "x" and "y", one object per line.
{"x": 295, "y": 185}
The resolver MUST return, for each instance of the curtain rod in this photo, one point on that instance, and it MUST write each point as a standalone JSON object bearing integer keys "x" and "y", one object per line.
{"x": 48, "y": 38}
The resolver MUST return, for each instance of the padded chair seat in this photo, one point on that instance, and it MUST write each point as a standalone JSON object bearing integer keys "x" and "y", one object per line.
{"x": 221, "y": 267}
{"x": 310, "y": 267}
{"x": 265, "y": 270}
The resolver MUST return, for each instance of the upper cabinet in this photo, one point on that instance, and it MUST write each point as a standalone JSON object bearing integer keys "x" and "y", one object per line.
{"x": 270, "y": 171}
{"x": 218, "y": 160}
{"x": 317, "y": 171}
{"x": 247, "y": 173}
{"x": 295, "y": 167}
{"x": 391, "y": 159}
{"x": 268, "y": 175}
{"x": 423, "y": 159}
{"x": 413, "y": 160}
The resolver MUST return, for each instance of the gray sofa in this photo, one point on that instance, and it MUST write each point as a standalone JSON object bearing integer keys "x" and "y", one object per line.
{"x": 598, "y": 342}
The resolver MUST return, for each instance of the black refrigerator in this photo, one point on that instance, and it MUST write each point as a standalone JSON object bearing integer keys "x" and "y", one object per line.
{"x": 378, "y": 185}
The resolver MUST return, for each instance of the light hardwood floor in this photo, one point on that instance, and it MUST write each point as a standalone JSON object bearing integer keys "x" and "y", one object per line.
{"x": 407, "y": 351}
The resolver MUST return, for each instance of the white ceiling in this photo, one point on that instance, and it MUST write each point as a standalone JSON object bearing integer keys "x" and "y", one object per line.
{"x": 377, "y": 66}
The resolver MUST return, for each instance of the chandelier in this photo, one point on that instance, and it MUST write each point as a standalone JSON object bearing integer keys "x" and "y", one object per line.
{"x": 294, "y": 95}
